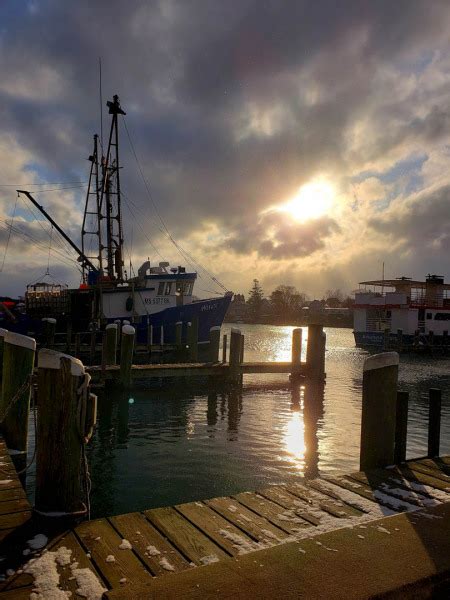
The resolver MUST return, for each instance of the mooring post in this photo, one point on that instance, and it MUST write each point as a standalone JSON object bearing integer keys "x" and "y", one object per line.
{"x": 77, "y": 344}
{"x": 103, "y": 356}
{"x": 67, "y": 413}
{"x": 224, "y": 348}
{"x": 111, "y": 343}
{"x": 214, "y": 343}
{"x": 235, "y": 354}
{"x": 379, "y": 407}
{"x": 401, "y": 427}
{"x": 400, "y": 339}
{"x": 296, "y": 353}
{"x": 193, "y": 340}
{"x": 49, "y": 328}
{"x": 126, "y": 354}
{"x": 178, "y": 334}
{"x": 315, "y": 352}
{"x": 69, "y": 336}
{"x": 18, "y": 363}
{"x": 93, "y": 345}
{"x": 149, "y": 339}
{"x": 434, "y": 422}
{"x": 386, "y": 338}
{"x": 3, "y": 332}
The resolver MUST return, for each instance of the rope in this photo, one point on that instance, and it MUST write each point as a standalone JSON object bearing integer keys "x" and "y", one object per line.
{"x": 34, "y": 409}
{"x": 23, "y": 388}
{"x": 9, "y": 234}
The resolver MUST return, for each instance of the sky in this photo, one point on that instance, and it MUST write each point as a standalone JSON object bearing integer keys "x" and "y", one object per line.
{"x": 303, "y": 143}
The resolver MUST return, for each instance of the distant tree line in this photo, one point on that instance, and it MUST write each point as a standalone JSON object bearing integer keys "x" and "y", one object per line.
{"x": 285, "y": 304}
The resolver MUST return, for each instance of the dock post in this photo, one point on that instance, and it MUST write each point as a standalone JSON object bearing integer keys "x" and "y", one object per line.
{"x": 178, "y": 334}
{"x": 379, "y": 404}
{"x": 315, "y": 354}
{"x": 65, "y": 409}
{"x": 49, "y": 328}
{"x": 235, "y": 354}
{"x": 3, "y": 332}
{"x": 224, "y": 348}
{"x": 111, "y": 343}
{"x": 193, "y": 340}
{"x": 149, "y": 339}
{"x": 126, "y": 354}
{"x": 386, "y": 338}
{"x": 69, "y": 336}
{"x": 214, "y": 343}
{"x": 401, "y": 427}
{"x": 92, "y": 346}
{"x": 434, "y": 422}
{"x": 399, "y": 340}
{"x": 77, "y": 344}
{"x": 296, "y": 353}
{"x": 18, "y": 363}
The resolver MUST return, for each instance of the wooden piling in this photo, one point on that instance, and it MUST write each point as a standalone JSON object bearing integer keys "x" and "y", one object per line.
{"x": 296, "y": 353}
{"x": 401, "y": 427}
{"x": 379, "y": 407}
{"x": 224, "y": 348}
{"x": 92, "y": 346}
{"x": 193, "y": 340}
{"x": 399, "y": 340}
{"x": 77, "y": 344}
{"x": 149, "y": 339}
{"x": 315, "y": 352}
{"x": 49, "y": 328}
{"x": 214, "y": 343}
{"x": 434, "y": 422}
{"x": 3, "y": 332}
{"x": 69, "y": 336}
{"x": 60, "y": 434}
{"x": 126, "y": 354}
{"x": 111, "y": 344}
{"x": 235, "y": 354}
{"x": 18, "y": 363}
{"x": 386, "y": 338}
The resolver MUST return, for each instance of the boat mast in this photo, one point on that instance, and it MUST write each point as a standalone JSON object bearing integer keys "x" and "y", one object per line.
{"x": 110, "y": 199}
{"x": 92, "y": 214}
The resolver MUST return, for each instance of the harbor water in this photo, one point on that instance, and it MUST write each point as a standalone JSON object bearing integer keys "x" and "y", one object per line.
{"x": 173, "y": 444}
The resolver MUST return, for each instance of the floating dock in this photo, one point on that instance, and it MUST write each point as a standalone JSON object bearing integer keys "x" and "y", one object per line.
{"x": 253, "y": 544}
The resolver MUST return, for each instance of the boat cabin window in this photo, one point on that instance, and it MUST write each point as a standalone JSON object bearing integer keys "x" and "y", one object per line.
{"x": 168, "y": 288}
{"x": 429, "y": 315}
{"x": 444, "y": 316}
{"x": 184, "y": 288}
{"x": 161, "y": 288}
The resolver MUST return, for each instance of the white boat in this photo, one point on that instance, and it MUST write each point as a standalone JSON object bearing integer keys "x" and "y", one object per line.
{"x": 393, "y": 312}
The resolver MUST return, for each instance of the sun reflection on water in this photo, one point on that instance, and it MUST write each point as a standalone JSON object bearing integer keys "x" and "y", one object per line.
{"x": 294, "y": 437}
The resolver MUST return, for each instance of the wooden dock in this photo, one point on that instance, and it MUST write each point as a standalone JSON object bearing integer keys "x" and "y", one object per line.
{"x": 126, "y": 555}
{"x": 171, "y": 370}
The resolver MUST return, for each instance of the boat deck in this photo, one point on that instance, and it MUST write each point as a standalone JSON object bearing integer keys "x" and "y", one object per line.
{"x": 132, "y": 551}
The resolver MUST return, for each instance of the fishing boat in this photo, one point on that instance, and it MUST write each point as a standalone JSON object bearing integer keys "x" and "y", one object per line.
{"x": 402, "y": 313}
{"x": 157, "y": 295}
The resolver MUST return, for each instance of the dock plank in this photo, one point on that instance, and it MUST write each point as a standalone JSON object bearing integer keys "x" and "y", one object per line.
{"x": 183, "y": 535}
{"x": 16, "y": 493}
{"x": 318, "y": 500}
{"x": 103, "y": 542}
{"x": 13, "y": 520}
{"x": 222, "y": 532}
{"x": 298, "y": 508}
{"x": 259, "y": 528}
{"x": 429, "y": 468}
{"x": 272, "y": 512}
{"x": 417, "y": 476}
{"x": 149, "y": 544}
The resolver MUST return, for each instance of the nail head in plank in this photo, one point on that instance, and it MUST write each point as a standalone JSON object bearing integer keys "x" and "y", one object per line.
{"x": 183, "y": 535}
{"x": 141, "y": 534}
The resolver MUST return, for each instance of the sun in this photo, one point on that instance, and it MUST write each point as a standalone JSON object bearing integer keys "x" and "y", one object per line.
{"x": 311, "y": 201}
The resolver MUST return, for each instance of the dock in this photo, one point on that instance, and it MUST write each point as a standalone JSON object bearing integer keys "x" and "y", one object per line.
{"x": 260, "y": 540}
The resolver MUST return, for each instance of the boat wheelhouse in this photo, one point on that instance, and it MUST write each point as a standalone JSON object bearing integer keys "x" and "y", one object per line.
{"x": 418, "y": 311}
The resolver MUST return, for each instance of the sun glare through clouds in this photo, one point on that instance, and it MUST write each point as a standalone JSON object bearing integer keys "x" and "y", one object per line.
{"x": 311, "y": 201}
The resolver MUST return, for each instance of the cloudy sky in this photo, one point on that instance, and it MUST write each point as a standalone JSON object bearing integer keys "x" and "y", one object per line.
{"x": 302, "y": 142}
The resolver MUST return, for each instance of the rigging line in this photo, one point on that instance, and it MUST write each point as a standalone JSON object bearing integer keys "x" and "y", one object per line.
{"x": 80, "y": 183}
{"x": 9, "y": 234}
{"x": 62, "y": 189}
{"x": 38, "y": 243}
{"x": 101, "y": 100}
{"x": 151, "y": 196}
{"x": 49, "y": 250}
{"x": 139, "y": 224}
{"x": 59, "y": 240}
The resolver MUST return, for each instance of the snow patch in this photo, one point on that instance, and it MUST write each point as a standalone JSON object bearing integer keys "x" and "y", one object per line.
{"x": 125, "y": 545}
{"x": 110, "y": 558}
{"x": 38, "y": 542}
{"x": 153, "y": 551}
{"x": 165, "y": 564}
{"x": 208, "y": 560}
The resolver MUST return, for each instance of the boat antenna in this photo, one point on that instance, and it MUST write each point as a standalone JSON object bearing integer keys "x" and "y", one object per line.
{"x": 101, "y": 99}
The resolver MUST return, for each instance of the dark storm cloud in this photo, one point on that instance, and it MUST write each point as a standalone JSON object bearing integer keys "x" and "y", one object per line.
{"x": 278, "y": 236}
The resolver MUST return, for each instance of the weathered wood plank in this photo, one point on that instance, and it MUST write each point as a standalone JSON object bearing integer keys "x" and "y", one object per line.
{"x": 152, "y": 548}
{"x": 292, "y": 504}
{"x": 429, "y": 468}
{"x": 420, "y": 477}
{"x": 272, "y": 512}
{"x": 183, "y": 535}
{"x": 114, "y": 563}
{"x": 13, "y": 506}
{"x": 16, "y": 493}
{"x": 319, "y": 501}
{"x": 326, "y": 491}
{"x": 227, "y": 536}
{"x": 10, "y": 483}
{"x": 14, "y": 520}
{"x": 259, "y": 528}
